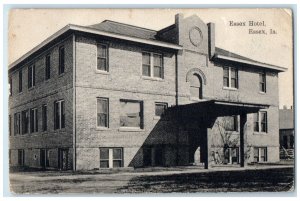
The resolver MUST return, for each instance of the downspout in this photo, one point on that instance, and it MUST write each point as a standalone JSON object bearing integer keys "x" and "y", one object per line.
{"x": 74, "y": 103}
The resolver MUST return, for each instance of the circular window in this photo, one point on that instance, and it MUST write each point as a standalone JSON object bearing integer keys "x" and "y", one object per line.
{"x": 196, "y": 36}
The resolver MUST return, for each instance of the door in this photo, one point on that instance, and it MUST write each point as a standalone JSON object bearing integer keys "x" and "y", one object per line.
{"x": 63, "y": 159}
{"x": 43, "y": 158}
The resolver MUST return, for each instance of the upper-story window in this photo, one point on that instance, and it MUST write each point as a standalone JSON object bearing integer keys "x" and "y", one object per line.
{"x": 25, "y": 122}
{"x": 102, "y": 112}
{"x": 47, "y": 67}
{"x": 20, "y": 80}
{"x": 261, "y": 122}
{"x": 102, "y": 57}
{"x": 152, "y": 65}
{"x": 17, "y": 123}
{"x": 44, "y": 117}
{"x": 262, "y": 82}
{"x": 31, "y": 76}
{"x": 230, "y": 77}
{"x": 59, "y": 114}
{"x": 61, "y": 66}
{"x": 10, "y": 86}
{"x": 33, "y": 120}
{"x": 131, "y": 114}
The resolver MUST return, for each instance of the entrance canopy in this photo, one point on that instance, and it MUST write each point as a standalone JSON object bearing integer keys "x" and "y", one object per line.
{"x": 217, "y": 108}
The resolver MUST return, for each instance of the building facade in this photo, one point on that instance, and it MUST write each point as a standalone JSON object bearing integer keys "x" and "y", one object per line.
{"x": 113, "y": 95}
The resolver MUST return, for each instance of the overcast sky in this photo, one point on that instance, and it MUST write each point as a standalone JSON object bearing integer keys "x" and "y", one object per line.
{"x": 29, "y": 27}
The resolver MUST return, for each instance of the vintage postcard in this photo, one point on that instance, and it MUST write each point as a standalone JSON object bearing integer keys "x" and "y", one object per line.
{"x": 151, "y": 100}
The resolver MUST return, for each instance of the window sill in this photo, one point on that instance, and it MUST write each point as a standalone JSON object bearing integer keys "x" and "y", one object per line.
{"x": 261, "y": 92}
{"x": 102, "y": 129}
{"x": 230, "y": 88}
{"x": 130, "y": 129}
{"x": 260, "y": 133}
{"x": 61, "y": 75}
{"x": 102, "y": 72}
{"x": 153, "y": 78}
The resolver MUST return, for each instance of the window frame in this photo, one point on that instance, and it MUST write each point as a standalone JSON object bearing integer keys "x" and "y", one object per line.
{"x": 152, "y": 66}
{"x": 31, "y": 76}
{"x": 259, "y": 122}
{"x": 61, "y": 60}
{"x": 107, "y": 115}
{"x": 33, "y": 116}
{"x": 111, "y": 158}
{"x": 257, "y": 159}
{"x": 44, "y": 117}
{"x": 264, "y": 81}
{"x": 230, "y": 68}
{"x": 20, "y": 80}
{"x": 160, "y": 103}
{"x": 141, "y": 104}
{"x": 61, "y": 115}
{"x": 106, "y": 58}
{"x": 24, "y": 123}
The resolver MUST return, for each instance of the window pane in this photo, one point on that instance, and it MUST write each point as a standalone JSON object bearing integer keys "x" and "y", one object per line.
{"x": 117, "y": 163}
{"x": 233, "y": 73}
{"x": 102, "y": 105}
{"x": 157, "y": 72}
{"x": 102, "y": 49}
{"x": 146, "y": 70}
{"x": 102, "y": 120}
{"x": 104, "y": 153}
{"x": 233, "y": 83}
{"x": 146, "y": 58}
{"x": 117, "y": 154}
{"x": 226, "y": 72}
{"x": 62, "y": 114}
{"x": 104, "y": 164}
{"x": 101, "y": 65}
{"x": 157, "y": 60}
{"x": 226, "y": 82}
{"x": 160, "y": 109}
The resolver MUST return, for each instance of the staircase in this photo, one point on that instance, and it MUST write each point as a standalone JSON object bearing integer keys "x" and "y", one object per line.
{"x": 287, "y": 153}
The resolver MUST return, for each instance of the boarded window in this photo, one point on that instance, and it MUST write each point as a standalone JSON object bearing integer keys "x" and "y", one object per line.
{"x": 102, "y": 112}
{"x": 131, "y": 114}
{"x": 102, "y": 57}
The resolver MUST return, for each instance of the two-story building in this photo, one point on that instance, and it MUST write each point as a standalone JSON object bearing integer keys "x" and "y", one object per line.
{"x": 114, "y": 95}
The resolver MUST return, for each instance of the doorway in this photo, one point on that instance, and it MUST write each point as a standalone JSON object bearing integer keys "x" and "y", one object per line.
{"x": 63, "y": 159}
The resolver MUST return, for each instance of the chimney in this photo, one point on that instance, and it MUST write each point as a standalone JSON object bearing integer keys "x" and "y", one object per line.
{"x": 178, "y": 20}
{"x": 211, "y": 40}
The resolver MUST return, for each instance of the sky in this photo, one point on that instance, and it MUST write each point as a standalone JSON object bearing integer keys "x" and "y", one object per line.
{"x": 29, "y": 27}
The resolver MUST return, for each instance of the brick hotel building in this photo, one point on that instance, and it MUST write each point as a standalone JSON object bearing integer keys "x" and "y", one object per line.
{"x": 113, "y": 95}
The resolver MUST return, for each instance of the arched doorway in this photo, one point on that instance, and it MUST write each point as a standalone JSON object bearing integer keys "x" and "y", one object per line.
{"x": 195, "y": 86}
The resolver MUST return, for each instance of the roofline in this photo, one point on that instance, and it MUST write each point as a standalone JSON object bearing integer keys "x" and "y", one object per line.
{"x": 278, "y": 68}
{"x": 93, "y": 31}
{"x": 128, "y": 25}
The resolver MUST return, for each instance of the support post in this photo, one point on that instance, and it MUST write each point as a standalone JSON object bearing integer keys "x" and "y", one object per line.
{"x": 206, "y": 147}
{"x": 243, "y": 120}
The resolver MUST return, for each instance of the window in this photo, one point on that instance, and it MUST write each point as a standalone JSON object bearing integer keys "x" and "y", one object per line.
{"x": 231, "y": 123}
{"x": 25, "y": 121}
{"x": 44, "y": 158}
{"x": 160, "y": 108}
{"x": 231, "y": 155}
{"x": 61, "y": 66}
{"x": 31, "y": 76}
{"x": 230, "y": 77}
{"x": 44, "y": 117}
{"x": 102, "y": 57}
{"x": 262, "y": 82}
{"x": 152, "y": 65}
{"x": 102, "y": 112}
{"x": 131, "y": 114}
{"x": 10, "y": 86}
{"x": 48, "y": 67}
{"x": 260, "y": 154}
{"x": 195, "y": 87}
{"x": 111, "y": 157}
{"x": 21, "y": 157}
{"x": 20, "y": 80}
{"x": 33, "y": 120}
{"x": 59, "y": 114}
{"x": 17, "y": 123}
{"x": 260, "y": 122}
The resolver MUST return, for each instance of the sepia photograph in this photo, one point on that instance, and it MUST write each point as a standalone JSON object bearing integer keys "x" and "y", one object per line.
{"x": 138, "y": 101}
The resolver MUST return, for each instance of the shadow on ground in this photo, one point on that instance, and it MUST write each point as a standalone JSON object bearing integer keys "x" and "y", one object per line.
{"x": 269, "y": 180}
